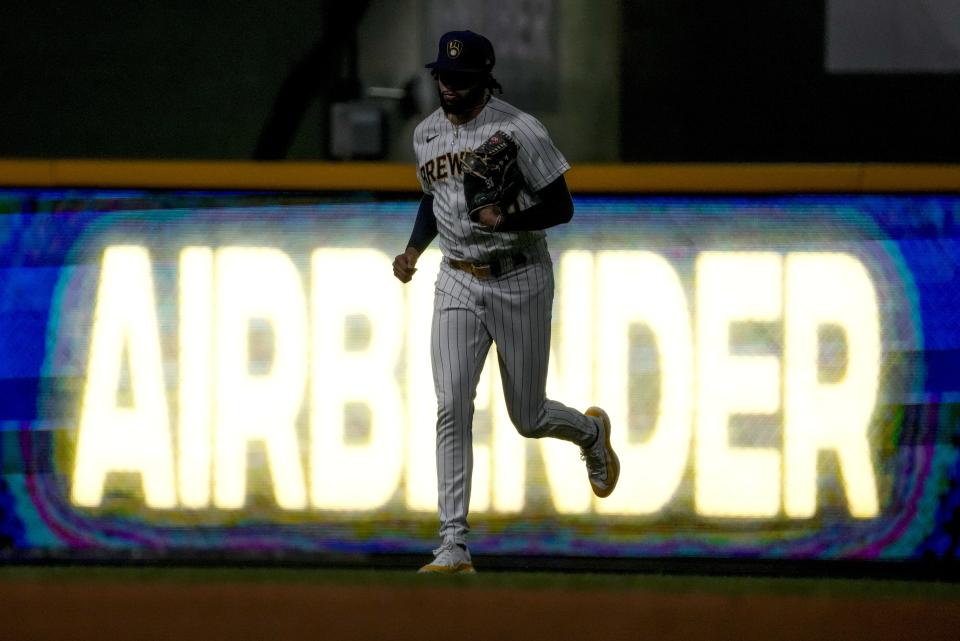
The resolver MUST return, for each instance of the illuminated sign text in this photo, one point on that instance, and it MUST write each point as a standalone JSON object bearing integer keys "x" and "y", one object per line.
{"x": 196, "y": 455}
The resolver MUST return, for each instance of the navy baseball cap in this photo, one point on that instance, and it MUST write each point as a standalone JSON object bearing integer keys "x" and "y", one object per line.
{"x": 464, "y": 51}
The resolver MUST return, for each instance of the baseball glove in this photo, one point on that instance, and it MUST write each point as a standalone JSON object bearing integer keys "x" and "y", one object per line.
{"x": 491, "y": 175}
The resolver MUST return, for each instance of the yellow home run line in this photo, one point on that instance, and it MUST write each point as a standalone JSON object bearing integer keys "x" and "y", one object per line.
{"x": 380, "y": 176}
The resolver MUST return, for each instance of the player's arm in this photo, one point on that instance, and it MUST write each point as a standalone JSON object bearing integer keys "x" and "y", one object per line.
{"x": 424, "y": 231}
{"x": 555, "y": 208}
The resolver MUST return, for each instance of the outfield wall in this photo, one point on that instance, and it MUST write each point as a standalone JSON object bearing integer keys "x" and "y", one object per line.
{"x": 201, "y": 358}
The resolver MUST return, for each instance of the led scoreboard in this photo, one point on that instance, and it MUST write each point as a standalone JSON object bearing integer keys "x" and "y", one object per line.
{"x": 187, "y": 372}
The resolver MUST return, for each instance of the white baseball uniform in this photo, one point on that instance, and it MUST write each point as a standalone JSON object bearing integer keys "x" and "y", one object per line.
{"x": 513, "y": 309}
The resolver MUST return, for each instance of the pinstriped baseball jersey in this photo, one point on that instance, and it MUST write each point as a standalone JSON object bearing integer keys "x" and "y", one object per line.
{"x": 512, "y": 310}
{"x": 438, "y": 144}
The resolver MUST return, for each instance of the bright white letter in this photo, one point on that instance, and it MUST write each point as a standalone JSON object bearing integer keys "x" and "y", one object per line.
{"x": 364, "y": 475}
{"x": 830, "y": 289}
{"x": 642, "y": 287}
{"x": 735, "y": 481}
{"x": 124, "y": 439}
{"x": 195, "y": 369}
{"x": 262, "y": 284}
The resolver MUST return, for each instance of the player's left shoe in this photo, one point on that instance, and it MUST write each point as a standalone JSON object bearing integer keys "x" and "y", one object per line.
{"x": 603, "y": 466}
{"x": 450, "y": 558}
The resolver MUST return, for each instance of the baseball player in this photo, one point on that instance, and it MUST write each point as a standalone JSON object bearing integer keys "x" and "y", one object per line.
{"x": 492, "y": 182}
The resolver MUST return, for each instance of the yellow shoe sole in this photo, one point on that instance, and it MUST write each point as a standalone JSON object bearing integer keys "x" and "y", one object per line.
{"x": 614, "y": 468}
{"x": 463, "y": 568}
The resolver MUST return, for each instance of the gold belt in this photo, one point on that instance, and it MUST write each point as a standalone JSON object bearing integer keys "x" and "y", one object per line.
{"x": 486, "y": 271}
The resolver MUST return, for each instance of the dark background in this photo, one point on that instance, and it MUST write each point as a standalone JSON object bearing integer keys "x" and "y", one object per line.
{"x": 700, "y": 81}
{"x": 746, "y": 81}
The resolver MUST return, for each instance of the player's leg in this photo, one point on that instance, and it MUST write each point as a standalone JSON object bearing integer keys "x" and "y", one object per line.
{"x": 521, "y": 330}
{"x": 460, "y": 344}
{"x": 521, "y": 315}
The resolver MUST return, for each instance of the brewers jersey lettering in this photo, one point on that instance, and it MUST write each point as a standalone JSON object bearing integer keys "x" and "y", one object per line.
{"x": 438, "y": 144}
{"x": 512, "y": 309}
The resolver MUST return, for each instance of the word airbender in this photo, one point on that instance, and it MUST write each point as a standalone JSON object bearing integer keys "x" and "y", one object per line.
{"x": 197, "y": 458}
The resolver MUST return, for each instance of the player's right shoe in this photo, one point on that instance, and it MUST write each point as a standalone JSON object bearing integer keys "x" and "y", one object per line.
{"x": 603, "y": 466}
{"x": 449, "y": 558}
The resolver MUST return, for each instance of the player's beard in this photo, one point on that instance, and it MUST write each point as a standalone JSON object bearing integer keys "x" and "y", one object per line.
{"x": 464, "y": 104}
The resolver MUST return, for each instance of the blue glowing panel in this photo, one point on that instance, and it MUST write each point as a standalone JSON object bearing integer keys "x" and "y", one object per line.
{"x": 240, "y": 373}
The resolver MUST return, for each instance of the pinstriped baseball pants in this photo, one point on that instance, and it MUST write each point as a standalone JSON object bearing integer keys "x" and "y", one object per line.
{"x": 514, "y": 311}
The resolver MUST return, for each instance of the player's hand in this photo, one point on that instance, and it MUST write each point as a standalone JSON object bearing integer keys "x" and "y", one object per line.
{"x": 405, "y": 265}
{"x": 489, "y": 216}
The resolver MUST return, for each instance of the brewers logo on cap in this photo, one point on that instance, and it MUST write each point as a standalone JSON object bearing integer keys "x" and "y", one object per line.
{"x": 463, "y": 51}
